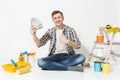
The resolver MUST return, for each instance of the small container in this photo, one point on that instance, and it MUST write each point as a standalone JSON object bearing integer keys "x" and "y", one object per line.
{"x": 97, "y": 66}
{"x": 100, "y": 37}
{"x": 31, "y": 57}
{"x": 20, "y": 58}
{"x": 25, "y": 56}
{"x": 106, "y": 67}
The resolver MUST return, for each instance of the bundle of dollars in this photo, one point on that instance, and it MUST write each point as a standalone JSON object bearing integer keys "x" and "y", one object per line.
{"x": 35, "y": 22}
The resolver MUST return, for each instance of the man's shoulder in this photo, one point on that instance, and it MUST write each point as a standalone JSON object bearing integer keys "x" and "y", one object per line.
{"x": 51, "y": 30}
{"x": 68, "y": 27}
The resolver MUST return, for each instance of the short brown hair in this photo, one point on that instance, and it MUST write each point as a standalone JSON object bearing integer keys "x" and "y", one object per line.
{"x": 55, "y": 12}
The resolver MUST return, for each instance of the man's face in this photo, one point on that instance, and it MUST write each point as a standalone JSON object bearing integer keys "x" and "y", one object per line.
{"x": 58, "y": 19}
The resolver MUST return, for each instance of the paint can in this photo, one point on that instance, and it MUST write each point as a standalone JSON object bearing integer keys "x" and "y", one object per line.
{"x": 25, "y": 56}
{"x": 21, "y": 58}
{"x": 106, "y": 67}
{"x": 100, "y": 38}
{"x": 31, "y": 57}
{"x": 97, "y": 66}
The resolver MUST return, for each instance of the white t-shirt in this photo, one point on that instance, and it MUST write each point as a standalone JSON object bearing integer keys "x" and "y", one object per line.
{"x": 60, "y": 47}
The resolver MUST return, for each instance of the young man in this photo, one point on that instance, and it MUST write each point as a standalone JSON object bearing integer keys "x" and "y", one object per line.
{"x": 63, "y": 40}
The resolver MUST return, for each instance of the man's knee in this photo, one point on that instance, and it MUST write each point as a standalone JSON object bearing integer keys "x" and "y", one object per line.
{"x": 81, "y": 57}
{"x": 41, "y": 62}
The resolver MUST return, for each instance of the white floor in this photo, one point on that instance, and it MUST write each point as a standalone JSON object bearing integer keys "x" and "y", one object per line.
{"x": 38, "y": 74}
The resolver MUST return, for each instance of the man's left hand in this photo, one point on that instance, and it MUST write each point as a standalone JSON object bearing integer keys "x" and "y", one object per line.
{"x": 63, "y": 39}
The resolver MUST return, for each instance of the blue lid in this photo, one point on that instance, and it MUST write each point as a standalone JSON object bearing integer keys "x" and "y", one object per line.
{"x": 25, "y": 52}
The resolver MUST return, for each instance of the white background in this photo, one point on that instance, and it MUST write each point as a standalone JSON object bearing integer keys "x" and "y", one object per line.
{"x": 83, "y": 15}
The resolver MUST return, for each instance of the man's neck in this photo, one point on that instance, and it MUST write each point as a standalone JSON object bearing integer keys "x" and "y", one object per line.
{"x": 60, "y": 27}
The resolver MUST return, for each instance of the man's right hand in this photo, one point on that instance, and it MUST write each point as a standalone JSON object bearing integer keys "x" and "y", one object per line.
{"x": 33, "y": 30}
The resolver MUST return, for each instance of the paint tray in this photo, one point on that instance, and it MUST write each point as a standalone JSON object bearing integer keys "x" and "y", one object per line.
{"x": 11, "y": 68}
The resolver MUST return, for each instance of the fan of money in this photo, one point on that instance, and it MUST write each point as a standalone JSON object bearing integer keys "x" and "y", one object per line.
{"x": 35, "y": 22}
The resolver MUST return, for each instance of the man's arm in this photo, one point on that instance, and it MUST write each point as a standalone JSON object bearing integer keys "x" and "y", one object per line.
{"x": 35, "y": 38}
{"x": 43, "y": 40}
{"x": 64, "y": 40}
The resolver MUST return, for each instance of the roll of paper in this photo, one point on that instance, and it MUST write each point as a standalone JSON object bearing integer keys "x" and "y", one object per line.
{"x": 23, "y": 70}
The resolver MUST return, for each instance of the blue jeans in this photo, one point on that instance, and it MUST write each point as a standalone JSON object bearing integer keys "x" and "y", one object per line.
{"x": 60, "y": 61}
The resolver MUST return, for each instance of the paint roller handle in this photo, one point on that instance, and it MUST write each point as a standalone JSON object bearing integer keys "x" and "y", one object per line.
{"x": 14, "y": 63}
